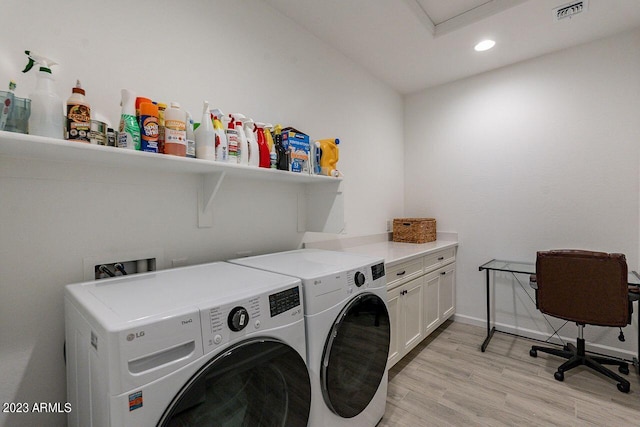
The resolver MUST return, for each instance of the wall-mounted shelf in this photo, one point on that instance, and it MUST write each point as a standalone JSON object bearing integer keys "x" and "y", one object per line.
{"x": 213, "y": 174}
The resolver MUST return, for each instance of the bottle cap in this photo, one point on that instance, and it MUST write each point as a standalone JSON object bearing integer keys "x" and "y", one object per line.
{"x": 140, "y": 100}
{"x": 148, "y": 109}
{"x": 78, "y": 88}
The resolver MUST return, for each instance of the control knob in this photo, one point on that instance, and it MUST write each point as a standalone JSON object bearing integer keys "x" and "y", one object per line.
{"x": 238, "y": 319}
{"x": 359, "y": 279}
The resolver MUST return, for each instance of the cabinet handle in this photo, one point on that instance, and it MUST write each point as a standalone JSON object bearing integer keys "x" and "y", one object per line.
{"x": 442, "y": 273}
{"x": 400, "y": 273}
{"x": 440, "y": 258}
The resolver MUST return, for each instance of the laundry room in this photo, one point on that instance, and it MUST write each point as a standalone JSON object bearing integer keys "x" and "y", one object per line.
{"x": 529, "y": 146}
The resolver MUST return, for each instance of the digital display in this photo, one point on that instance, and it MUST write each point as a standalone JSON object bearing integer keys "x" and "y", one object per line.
{"x": 284, "y": 300}
{"x": 377, "y": 271}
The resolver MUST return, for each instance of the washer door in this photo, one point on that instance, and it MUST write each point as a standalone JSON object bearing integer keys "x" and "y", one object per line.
{"x": 355, "y": 355}
{"x": 259, "y": 382}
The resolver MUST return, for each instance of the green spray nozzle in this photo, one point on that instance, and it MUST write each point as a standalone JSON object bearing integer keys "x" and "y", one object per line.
{"x": 39, "y": 59}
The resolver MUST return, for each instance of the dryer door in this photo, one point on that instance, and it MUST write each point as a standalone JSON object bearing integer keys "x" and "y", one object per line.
{"x": 259, "y": 382}
{"x": 355, "y": 355}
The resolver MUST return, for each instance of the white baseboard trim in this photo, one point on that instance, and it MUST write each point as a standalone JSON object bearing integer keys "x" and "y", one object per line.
{"x": 530, "y": 333}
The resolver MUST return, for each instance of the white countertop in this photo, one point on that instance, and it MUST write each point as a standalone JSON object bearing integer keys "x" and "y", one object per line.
{"x": 396, "y": 252}
{"x": 381, "y": 246}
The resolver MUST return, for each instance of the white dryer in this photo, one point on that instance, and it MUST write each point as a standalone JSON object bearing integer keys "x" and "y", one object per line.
{"x": 348, "y": 332}
{"x": 215, "y": 344}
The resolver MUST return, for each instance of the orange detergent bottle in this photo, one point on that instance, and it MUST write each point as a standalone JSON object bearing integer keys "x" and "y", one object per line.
{"x": 327, "y": 156}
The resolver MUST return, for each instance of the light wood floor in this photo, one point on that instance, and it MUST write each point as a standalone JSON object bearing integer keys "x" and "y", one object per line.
{"x": 448, "y": 381}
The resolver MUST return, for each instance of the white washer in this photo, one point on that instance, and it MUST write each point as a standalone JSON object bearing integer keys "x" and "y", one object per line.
{"x": 215, "y": 344}
{"x": 348, "y": 332}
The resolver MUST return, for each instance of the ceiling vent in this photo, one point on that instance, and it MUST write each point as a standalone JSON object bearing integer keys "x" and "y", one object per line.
{"x": 569, "y": 10}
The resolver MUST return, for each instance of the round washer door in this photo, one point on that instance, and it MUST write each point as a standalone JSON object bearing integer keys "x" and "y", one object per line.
{"x": 259, "y": 382}
{"x": 355, "y": 355}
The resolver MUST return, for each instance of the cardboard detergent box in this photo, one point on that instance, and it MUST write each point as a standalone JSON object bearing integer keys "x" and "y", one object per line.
{"x": 298, "y": 146}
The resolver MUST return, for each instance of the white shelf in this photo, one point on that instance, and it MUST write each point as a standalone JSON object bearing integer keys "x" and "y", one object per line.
{"x": 38, "y": 147}
{"x": 325, "y": 189}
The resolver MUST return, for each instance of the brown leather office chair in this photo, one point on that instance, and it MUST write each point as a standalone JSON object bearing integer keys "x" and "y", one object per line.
{"x": 589, "y": 288}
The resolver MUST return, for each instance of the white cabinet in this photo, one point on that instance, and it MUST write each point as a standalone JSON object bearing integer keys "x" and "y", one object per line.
{"x": 405, "y": 311}
{"x": 439, "y": 296}
{"x": 421, "y": 296}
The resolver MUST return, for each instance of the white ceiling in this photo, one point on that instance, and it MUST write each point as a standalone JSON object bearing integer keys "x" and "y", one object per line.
{"x": 415, "y": 44}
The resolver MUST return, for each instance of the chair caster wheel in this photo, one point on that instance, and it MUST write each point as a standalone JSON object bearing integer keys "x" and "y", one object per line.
{"x": 623, "y": 369}
{"x": 559, "y": 376}
{"x": 623, "y": 387}
{"x": 533, "y": 353}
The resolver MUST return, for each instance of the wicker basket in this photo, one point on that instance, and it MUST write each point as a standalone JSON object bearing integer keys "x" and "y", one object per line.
{"x": 414, "y": 230}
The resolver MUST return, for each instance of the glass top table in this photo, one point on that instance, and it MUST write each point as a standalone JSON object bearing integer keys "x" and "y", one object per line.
{"x": 517, "y": 267}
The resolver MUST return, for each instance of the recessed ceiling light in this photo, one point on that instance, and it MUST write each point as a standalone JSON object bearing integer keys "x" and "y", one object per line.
{"x": 484, "y": 45}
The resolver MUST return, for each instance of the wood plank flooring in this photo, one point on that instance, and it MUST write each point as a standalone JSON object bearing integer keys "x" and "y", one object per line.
{"x": 447, "y": 381}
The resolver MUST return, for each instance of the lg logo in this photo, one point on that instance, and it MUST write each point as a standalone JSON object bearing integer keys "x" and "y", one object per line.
{"x": 131, "y": 337}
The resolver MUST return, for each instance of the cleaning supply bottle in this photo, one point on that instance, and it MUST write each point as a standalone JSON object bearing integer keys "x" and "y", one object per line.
{"x": 149, "y": 129}
{"x": 129, "y": 131}
{"x": 205, "y": 136}
{"x": 243, "y": 144}
{"x": 46, "y": 117}
{"x": 78, "y": 115}
{"x": 233, "y": 141}
{"x": 265, "y": 154}
{"x": 273, "y": 155}
{"x": 161, "y": 109}
{"x": 282, "y": 162}
{"x": 175, "y": 132}
{"x": 191, "y": 139}
{"x": 328, "y": 156}
{"x": 222, "y": 148}
{"x": 254, "y": 149}
{"x": 7, "y": 105}
{"x": 139, "y": 101}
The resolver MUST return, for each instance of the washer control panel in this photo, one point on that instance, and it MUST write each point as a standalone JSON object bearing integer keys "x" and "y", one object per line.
{"x": 229, "y": 322}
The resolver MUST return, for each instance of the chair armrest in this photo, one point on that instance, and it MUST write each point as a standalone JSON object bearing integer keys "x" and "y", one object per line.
{"x": 533, "y": 281}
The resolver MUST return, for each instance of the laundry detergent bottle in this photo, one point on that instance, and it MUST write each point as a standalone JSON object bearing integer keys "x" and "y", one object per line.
{"x": 328, "y": 156}
{"x": 47, "y": 117}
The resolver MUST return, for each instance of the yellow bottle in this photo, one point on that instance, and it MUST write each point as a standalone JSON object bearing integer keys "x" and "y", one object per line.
{"x": 328, "y": 156}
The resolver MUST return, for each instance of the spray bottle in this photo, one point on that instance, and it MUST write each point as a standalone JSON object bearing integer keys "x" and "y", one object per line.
{"x": 191, "y": 139}
{"x": 265, "y": 154}
{"x": 273, "y": 155}
{"x": 252, "y": 142}
{"x": 233, "y": 140}
{"x": 129, "y": 131}
{"x": 205, "y": 136}
{"x": 47, "y": 118}
{"x": 243, "y": 144}
{"x": 222, "y": 148}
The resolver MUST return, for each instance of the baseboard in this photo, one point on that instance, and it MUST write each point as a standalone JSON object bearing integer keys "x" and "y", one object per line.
{"x": 537, "y": 335}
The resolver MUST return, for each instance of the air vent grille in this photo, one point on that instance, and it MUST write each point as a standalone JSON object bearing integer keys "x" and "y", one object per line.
{"x": 569, "y": 10}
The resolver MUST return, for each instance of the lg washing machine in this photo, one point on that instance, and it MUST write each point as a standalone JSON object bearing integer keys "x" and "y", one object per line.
{"x": 209, "y": 345}
{"x": 348, "y": 332}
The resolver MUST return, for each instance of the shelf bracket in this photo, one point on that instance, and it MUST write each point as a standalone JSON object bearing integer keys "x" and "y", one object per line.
{"x": 210, "y": 185}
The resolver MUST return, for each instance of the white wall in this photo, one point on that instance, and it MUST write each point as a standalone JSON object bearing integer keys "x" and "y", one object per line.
{"x": 241, "y": 55}
{"x": 542, "y": 154}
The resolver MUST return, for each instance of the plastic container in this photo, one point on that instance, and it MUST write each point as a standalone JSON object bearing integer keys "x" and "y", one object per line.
{"x": 175, "y": 122}
{"x": 191, "y": 139}
{"x": 149, "y": 130}
{"x": 205, "y": 136}
{"x": 161, "y": 109}
{"x": 78, "y": 123}
{"x": 252, "y": 143}
{"x": 328, "y": 156}
{"x": 243, "y": 143}
{"x": 222, "y": 147}
{"x": 263, "y": 147}
{"x": 234, "y": 142}
{"x": 129, "y": 130}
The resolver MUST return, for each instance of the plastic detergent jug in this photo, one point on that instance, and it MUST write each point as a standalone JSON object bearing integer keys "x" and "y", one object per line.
{"x": 175, "y": 132}
{"x": 47, "y": 118}
{"x": 328, "y": 156}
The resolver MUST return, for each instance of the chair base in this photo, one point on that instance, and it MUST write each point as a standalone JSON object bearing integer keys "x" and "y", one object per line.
{"x": 576, "y": 356}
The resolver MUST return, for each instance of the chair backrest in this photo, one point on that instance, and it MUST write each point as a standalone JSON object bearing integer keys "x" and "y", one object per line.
{"x": 583, "y": 286}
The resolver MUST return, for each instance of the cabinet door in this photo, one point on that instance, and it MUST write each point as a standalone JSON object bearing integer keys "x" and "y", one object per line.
{"x": 412, "y": 307}
{"x": 447, "y": 290}
{"x": 431, "y": 300}
{"x": 397, "y": 336}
